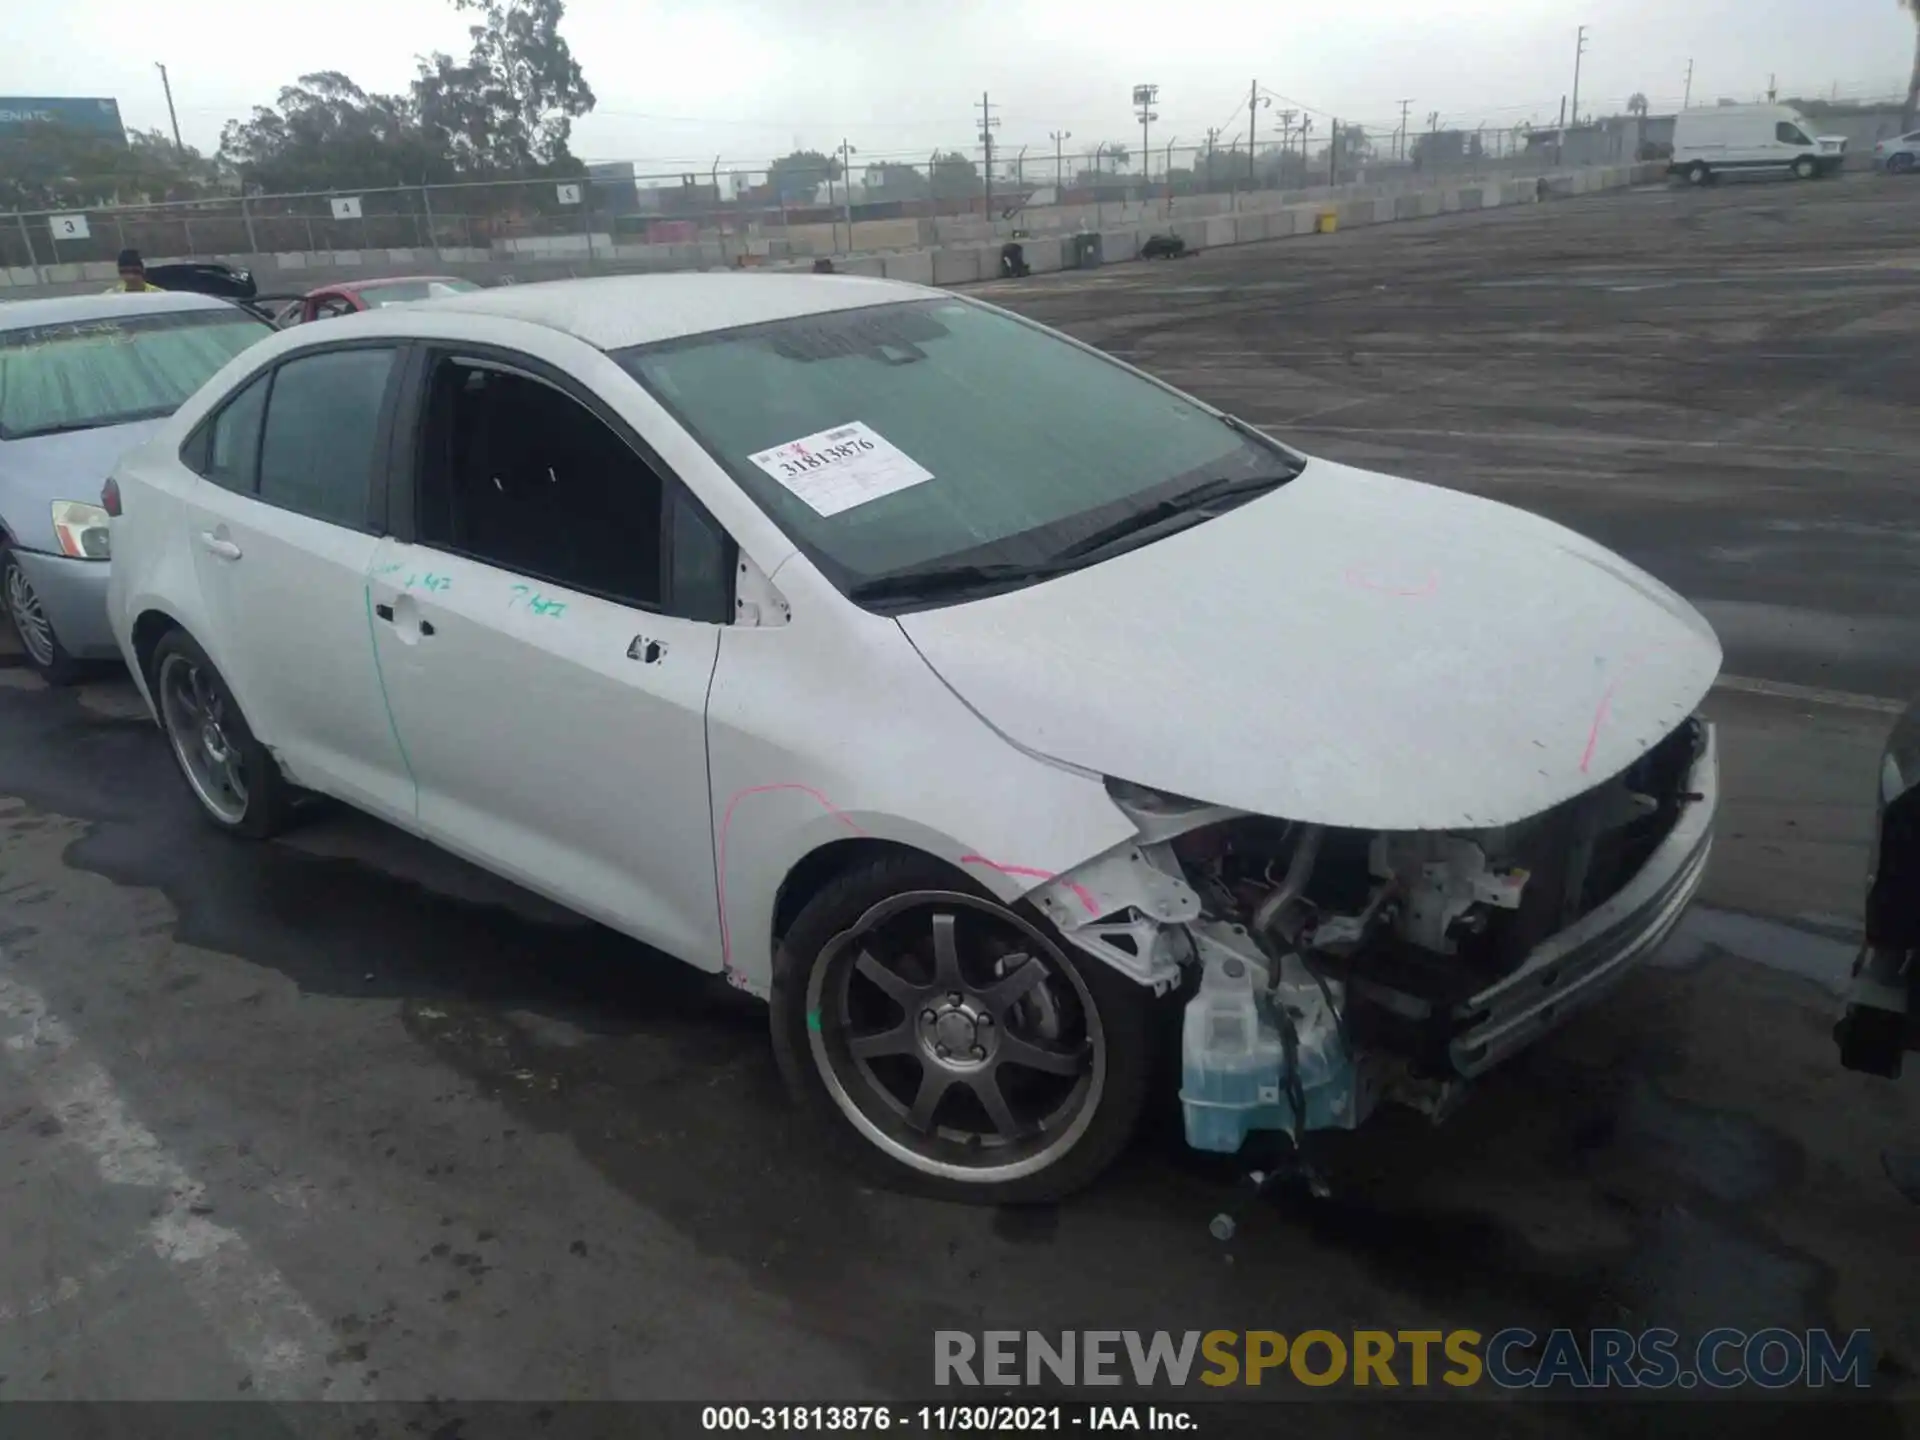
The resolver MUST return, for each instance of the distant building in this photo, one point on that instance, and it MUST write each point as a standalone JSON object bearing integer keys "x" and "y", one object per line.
{"x": 95, "y": 116}
{"x": 613, "y": 189}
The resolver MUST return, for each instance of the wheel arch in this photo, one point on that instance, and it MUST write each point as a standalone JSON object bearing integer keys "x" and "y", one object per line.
{"x": 148, "y": 628}
{"x": 820, "y": 866}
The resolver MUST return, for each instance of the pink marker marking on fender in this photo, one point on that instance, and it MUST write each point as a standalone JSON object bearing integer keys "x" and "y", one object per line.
{"x": 1599, "y": 719}
{"x": 720, "y": 855}
{"x": 1084, "y": 895}
{"x": 1359, "y": 581}
{"x": 1601, "y": 711}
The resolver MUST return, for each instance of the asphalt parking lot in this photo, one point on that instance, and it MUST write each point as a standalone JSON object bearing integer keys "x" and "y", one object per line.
{"x": 337, "y": 1117}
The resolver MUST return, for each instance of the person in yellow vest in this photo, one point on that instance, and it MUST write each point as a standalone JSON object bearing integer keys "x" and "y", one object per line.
{"x": 133, "y": 275}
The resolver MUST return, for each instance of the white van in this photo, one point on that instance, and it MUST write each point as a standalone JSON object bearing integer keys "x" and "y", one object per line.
{"x": 1752, "y": 139}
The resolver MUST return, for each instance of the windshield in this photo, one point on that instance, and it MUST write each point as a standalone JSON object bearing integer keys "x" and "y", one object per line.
{"x": 114, "y": 369}
{"x": 911, "y": 439}
{"x": 378, "y": 295}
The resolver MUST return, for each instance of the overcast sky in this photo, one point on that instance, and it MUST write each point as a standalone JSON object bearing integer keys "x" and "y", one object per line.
{"x": 680, "y": 80}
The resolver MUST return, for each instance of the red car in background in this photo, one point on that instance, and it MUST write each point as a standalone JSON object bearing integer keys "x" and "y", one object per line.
{"x": 346, "y": 296}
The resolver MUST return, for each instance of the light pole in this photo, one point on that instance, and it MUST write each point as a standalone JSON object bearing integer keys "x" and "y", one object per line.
{"x": 1144, "y": 97}
{"x": 1169, "y": 168}
{"x": 167, "y": 85}
{"x": 1098, "y": 151}
{"x": 846, "y": 175}
{"x": 1579, "y": 49}
{"x": 1059, "y": 138}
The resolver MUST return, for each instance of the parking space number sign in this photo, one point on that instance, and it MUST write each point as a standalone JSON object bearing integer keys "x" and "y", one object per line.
{"x": 69, "y": 227}
{"x": 346, "y": 207}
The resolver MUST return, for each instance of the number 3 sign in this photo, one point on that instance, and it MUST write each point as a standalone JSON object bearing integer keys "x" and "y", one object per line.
{"x": 68, "y": 227}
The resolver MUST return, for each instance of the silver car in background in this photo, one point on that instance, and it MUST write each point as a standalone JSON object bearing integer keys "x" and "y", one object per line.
{"x": 82, "y": 378}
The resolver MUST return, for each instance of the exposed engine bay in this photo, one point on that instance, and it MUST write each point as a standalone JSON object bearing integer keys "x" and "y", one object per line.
{"x": 1329, "y": 969}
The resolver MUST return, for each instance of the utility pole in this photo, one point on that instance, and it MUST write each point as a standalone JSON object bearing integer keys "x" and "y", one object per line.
{"x": 167, "y": 85}
{"x": 1333, "y": 153}
{"x": 1254, "y": 101}
{"x": 1286, "y": 137}
{"x": 1143, "y": 98}
{"x": 1059, "y": 138}
{"x": 1687, "y": 104}
{"x": 1213, "y": 134}
{"x": 1773, "y": 88}
{"x": 987, "y": 123}
{"x": 1400, "y": 141}
{"x": 1579, "y": 49}
{"x": 846, "y": 174}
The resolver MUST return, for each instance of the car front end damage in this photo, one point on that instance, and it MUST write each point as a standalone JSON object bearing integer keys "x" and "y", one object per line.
{"x": 1330, "y": 970}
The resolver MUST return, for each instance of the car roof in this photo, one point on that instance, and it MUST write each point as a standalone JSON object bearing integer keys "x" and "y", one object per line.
{"x": 19, "y": 314}
{"x": 615, "y": 311}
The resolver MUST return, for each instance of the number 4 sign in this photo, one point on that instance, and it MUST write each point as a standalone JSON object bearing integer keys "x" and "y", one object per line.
{"x": 68, "y": 227}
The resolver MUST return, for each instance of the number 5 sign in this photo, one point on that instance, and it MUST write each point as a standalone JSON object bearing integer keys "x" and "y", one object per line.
{"x": 568, "y": 194}
{"x": 68, "y": 227}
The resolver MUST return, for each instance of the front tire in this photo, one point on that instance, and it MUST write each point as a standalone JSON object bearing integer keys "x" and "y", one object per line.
{"x": 954, "y": 1045}
{"x": 44, "y": 652}
{"x": 1900, "y": 165}
{"x": 1806, "y": 168}
{"x": 233, "y": 777}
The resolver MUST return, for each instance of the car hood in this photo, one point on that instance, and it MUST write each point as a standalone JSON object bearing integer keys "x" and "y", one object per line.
{"x": 39, "y": 470}
{"x": 1351, "y": 649}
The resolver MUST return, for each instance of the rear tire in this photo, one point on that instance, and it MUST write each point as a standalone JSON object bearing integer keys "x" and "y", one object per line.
{"x": 38, "y": 642}
{"x": 902, "y": 1025}
{"x": 1900, "y": 165}
{"x": 236, "y": 782}
{"x": 1698, "y": 173}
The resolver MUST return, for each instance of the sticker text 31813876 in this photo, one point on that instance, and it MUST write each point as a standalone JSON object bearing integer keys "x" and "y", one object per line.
{"x": 837, "y": 469}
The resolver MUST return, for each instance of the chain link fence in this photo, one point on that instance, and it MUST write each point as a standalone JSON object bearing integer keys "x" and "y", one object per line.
{"x": 734, "y": 214}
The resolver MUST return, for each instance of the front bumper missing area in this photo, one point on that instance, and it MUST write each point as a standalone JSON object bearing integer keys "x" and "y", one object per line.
{"x": 1587, "y": 959}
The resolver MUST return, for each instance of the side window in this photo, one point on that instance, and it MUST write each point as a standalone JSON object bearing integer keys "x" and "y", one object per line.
{"x": 233, "y": 440}
{"x": 1788, "y": 133}
{"x": 702, "y": 578}
{"x": 317, "y": 450}
{"x": 517, "y": 473}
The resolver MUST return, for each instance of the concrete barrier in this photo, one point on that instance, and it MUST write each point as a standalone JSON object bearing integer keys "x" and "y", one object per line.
{"x": 913, "y": 266}
{"x": 1220, "y": 231}
{"x": 1119, "y": 245}
{"x": 1385, "y": 209}
{"x": 872, "y": 265}
{"x": 957, "y": 266}
{"x": 1042, "y": 253}
{"x": 1469, "y": 197}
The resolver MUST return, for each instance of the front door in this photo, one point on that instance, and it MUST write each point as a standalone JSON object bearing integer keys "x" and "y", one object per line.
{"x": 282, "y": 540}
{"x": 552, "y": 709}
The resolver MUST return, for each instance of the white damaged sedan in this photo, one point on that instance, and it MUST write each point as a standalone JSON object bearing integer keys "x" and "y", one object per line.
{"x": 975, "y": 699}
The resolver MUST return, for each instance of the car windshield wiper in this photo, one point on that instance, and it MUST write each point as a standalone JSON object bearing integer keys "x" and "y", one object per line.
{"x": 937, "y": 582}
{"x": 1195, "y": 503}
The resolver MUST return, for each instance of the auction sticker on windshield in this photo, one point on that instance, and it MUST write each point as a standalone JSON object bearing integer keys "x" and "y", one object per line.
{"x": 837, "y": 469}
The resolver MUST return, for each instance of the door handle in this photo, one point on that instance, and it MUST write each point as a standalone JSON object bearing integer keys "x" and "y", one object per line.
{"x": 214, "y": 545}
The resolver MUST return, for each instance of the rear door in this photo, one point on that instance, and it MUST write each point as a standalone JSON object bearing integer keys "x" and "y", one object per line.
{"x": 282, "y": 540}
{"x": 547, "y": 617}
